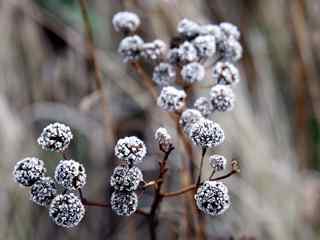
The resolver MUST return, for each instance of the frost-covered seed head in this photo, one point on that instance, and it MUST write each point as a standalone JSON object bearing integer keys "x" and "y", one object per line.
{"x": 163, "y": 138}
{"x": 70, "y": 174}
{"x": 164, "y": 74}
{"x": 171, "y": 99}
{"x": 174, "y": 56}
{"x": 230, "y": 30}
{"x": 188, "y": 28}
{"x": 212, "y": 198}
{"x": 130, "y": 149}
{"x": 125, "y": 22}
{"x": 192, "y": 72}
{"x": 66, "y": 210}
{"x": 154, "y": 50}
{"x": 203, "y": 105}
{"x": 188, "y": 53}
{"x": 206, "y": 133}
{"x": 218, "y": 162}
{"x": 205, "y": 45}
{"x": 28, "y": 170}
{"x": 225, "y": 73}
{"x": 55, "y": 137}
{"x": 188, "y": 118}
{"x": 124, "y": 203}
{"x": 229, "y": 50}
{"x": 213, "y": 30}
{"x": 43, "y": 191}
{"x": 222, "y": 98}
{"x": 125, "y": 178}
{"x": 130, "y": 48}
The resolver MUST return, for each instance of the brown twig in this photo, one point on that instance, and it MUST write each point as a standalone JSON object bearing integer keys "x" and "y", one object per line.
{"x": 204, "y": 150}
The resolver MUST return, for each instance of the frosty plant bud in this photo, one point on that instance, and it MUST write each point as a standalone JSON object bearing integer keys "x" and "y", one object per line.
{"x": 164, "y": 74}
{"x": 222, "y": 98}
{"x": 164, "y": 139}
{"x": 188, "y": 53}
{"x": 130, "y": 48}
{"x": 203, "y": 105}
{"x": 229, "y": 50}
{"x": 212, "y": 198}
{"x": 188, "y": 28}
{"x": 205, "y": 45}
{"x": 230, "y": 30}
{"x": 70, "y": 174}
{"x": 174, "y": 56}
{"x": 218, "y": 162}
{"x": 125, "y": 22}
{"x": 124, "y": 203}
{"x": 206, "y": 133}
{"x": 130, "y": 149}
{"x": 154, "y": 50}
{"x": 225, "y": 73}
{"x": 125, "y": 178}
{"x": 213, "y": 30}
{"x": 55, "y": 137}
{"x": 188, "y": 118}
{"x": 192, "y": 72}
{"x": 43, "y": 191}
{"x": 171, "y": 99}
{"x": 66, "y": 210}
{"x": 28, "y": 170}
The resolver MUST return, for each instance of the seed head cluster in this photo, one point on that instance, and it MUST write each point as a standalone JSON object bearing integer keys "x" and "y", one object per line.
{"x": 125, "y": 178}
{"x": 163, "y": 139}
{"x": 218, "y": 162}
{"x": 43, "y": 191}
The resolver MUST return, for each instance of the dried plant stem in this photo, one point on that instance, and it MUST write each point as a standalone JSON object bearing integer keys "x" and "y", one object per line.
{"x": 204, "y": 150}
{"x": 93, "y": 60}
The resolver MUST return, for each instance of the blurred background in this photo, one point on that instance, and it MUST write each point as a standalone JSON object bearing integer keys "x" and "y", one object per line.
{"x": 273, "y": 131}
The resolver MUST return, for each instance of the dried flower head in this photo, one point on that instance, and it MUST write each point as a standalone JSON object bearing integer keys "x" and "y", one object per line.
{"x": 130, "y": 48}
{"x": 192, "y": 72}
{"x": 174, "y": 56}
{"x": 205, "y": 45}
{"x": 43, "y": 191}
{"x": 130, "y": 149}
{"x": 70, "y": 174}
{"x": 188, "y": 118}
{"x": 124, "y": 203}
{"x": 164, "y": 74}
{"x": 125, "y": 22}
{"x": 66, "y": 210}
{"x": 212, "y": 198}
{"x": 203, "y": 105}
{"x": 154, "y": 50}
{"x": 125, "y": 178}
{"x": 213, "y": 30}
{"x": 229, "y": 50}
{"x": 225, "y": 73}
{"x": 188, "y": 28}
{"x": 55, "y": 137}
{"x": 188, "y": 53}
{"x": 164, "y": 139}
{"x": 230, "y": 30}
{"x": 222, "y": 98}
{"x": 218, "y": 162}
{"x": 28, "y": 170}
{"x": 171, "y": 99}
{"x": 206, "y": 133}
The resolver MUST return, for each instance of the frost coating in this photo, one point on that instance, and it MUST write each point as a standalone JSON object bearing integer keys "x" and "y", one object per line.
{"x": 55, "y": 137}
{"x": 213, "y": 30}
{"x": 230, "y": 30}
{"x": 205, "y": 45}
{"x": 130, "y": 149}
{"x": 28, "y": 170}
{"x": 222, "y": 98}
{"x": 212, "y": 198}
{"x": 229, "y": 50}
{"x": 188, "y": 28}
{"x": 225, "y": 73}
{"x": 192, "y": 72}
{"x": 188, "y": 118}
{"x": 163, "y": 138}
{"x": 70, "y": 174}
{"x": 206, "y": 133}
{"x": 218, "y": 162}
{"x": 203, "y": 105}
{"x": 43, "y": 191}
{"x": 126, "y": 179}
{"x": 154, "y": 50}
{"x": 124, "y": 203}
{"x": 188, "y": 53}
{"x": 171, "y": 99}
{"x": 164, "y": 74}
{"x": 66, "y": 210}
{"x": 130, "y": 48}
{"x": 125, "y": 22}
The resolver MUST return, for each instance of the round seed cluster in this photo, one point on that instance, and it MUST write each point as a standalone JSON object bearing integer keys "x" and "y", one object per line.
{"x": 55, "y": 137}
{"x": 164, "y": 139}
{"x": 154, "y": 50}
{"x": 125, "y": 22}
{"x": 130, "y": 149}
{"x": 164, "y": 74}
{"x": 188, "y": 118}
{"x": 229, "y": 50}
{"x": 124, "y": 203}
{"x": 218, "y": 162}
{"x": 222, "y": 98}
{"x": 188, "y": 52}
{"x": 70, "y": 174}
{"x": 230, "y": 30}
{"x": 188, "y": 28}
{"x": 43, "y": 191}
{"x": 125, "y": 178}
{"x": 225, "y": 73}
{"x": 28, "y": 170}
{"x": 203, "y": 105}
{"x": 206, "y": 133}
{"x": 171, "y": 99}
{"x": 66, "y": 210}
{"x": 205, "y": 45}
{"x": 192, "y": 72}
{"x": 130, "y": 48}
